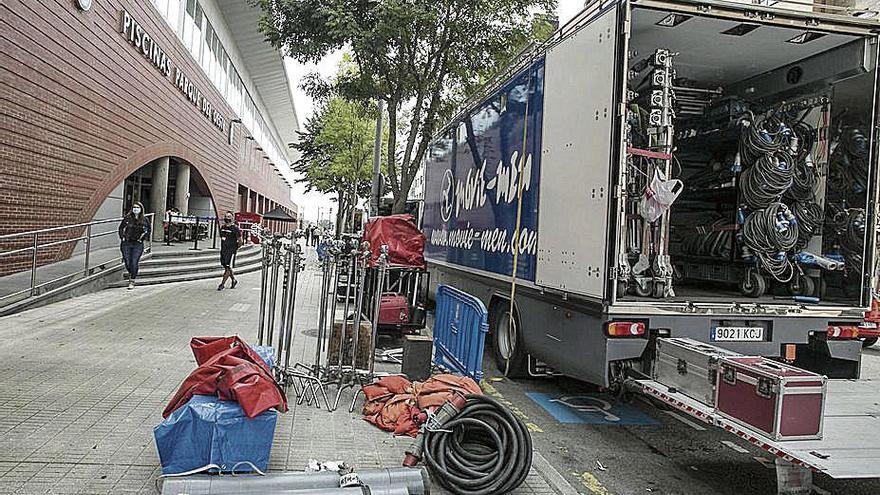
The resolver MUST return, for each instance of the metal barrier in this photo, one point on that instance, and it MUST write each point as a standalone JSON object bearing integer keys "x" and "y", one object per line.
{"x": 460, "y": 329}
{"x": 35, "y": 245}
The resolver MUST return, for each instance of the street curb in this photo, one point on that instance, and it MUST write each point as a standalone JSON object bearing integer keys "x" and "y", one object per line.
{"x": 552, "y": 476}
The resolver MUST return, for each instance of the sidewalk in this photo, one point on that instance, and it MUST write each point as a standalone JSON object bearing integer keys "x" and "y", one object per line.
{"x": 83, "y": 382}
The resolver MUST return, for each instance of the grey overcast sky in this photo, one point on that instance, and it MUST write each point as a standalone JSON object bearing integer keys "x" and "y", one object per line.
{"x": 313, "y": 204}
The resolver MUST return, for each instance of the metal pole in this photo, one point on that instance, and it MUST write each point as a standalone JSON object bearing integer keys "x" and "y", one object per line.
{"x": 322, "y": 311}
{"x": 360, "y": 278}
{"x": 377, "y": 298}
{"x": 214, "y": 233}
{"x": 168, "y": 230}
{"x": 335, "y": 290}
{"x": 88, "y": 249}
{"x": 264, "y": 282}
{"x": 377, "y": 160}
{"x": 291, "y": 305}
{"x": 273, "y": 291}
{"x": 196, "y": 236}
{"x": 342, "y": 333}
{"x": 34, "y": 267}
{"x": 285, "y": 284}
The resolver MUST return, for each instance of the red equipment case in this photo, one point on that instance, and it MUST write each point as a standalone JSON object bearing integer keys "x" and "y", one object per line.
{"x": 782, "y": 401}
{"x": 393, "y": 309}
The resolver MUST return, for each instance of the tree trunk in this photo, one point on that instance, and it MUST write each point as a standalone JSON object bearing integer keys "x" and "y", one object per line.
{"x": 340, "y": 215}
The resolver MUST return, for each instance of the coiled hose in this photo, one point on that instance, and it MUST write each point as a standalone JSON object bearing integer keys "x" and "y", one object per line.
{"x": 770, "y": 234}
{"x": 483, "y": 450}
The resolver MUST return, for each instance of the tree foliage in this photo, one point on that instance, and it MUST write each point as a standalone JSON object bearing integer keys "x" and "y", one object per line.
{"x": 419, "y": 56}
{"x": 336, "y": 153}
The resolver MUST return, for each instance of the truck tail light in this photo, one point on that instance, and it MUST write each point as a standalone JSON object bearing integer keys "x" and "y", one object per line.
{"x": 873, "y": 315}
{"x": 625, "y": 329}
{"x": 843, "y": 332}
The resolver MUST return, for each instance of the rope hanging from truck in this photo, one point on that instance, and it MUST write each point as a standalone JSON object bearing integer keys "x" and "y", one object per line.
{"x": 516, "y": 240}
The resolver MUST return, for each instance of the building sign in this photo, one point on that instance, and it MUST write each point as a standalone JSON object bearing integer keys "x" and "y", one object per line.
{"x": 147, "y": 46}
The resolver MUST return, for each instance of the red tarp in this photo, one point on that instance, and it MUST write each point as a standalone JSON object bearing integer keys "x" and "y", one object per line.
{"x": 394, "y": 403}
{"x": 231, "y": 370}
{"x": 406, "y": 243}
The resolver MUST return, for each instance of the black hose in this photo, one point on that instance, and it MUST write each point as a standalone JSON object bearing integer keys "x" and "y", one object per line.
{"x": 483, "y": 450}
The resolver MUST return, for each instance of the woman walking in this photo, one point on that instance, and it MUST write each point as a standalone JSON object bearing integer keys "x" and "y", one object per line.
{"x": 133, "y": 230}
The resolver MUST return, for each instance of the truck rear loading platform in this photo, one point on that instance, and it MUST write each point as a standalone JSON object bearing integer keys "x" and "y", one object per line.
{"x": 849, "y": 448}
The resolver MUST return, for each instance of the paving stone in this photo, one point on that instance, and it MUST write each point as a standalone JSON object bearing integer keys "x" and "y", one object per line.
{"x": 85, "y": 380}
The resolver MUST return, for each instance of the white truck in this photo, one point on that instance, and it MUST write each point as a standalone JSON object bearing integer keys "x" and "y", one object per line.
{"x": 674, "y": 168}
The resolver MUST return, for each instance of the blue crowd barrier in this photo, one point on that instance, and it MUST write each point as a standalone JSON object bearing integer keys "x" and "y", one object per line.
{"x": 460, "y": 329}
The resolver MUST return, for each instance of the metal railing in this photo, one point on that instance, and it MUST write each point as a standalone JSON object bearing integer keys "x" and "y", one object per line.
{"x": 35, "y": 245}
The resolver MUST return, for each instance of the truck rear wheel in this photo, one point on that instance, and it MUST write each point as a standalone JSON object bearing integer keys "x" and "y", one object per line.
{"x": 509, "y": 352}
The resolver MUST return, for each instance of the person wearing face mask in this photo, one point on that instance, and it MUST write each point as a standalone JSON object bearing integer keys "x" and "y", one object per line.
{"x": 230, "y": 241}
{"x": 133, "y": 229}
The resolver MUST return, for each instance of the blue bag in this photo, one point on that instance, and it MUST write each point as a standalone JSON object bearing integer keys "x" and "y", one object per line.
{"x": 209, "y": 431}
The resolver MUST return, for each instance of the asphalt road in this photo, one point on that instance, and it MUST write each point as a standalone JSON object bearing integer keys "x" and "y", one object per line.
{"x": 670, "y": 457}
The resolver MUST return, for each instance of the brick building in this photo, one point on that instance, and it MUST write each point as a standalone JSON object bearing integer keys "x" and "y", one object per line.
{"x": 172, "y": 103}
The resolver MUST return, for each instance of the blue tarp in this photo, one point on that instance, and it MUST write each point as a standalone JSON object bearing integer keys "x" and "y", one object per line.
{"x": 210, "y": 431}
{"x": 267, "y": 353}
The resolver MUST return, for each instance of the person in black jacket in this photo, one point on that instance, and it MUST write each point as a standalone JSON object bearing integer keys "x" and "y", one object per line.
{"x": 133, "y": 230}
{"x": 230, "y": 241}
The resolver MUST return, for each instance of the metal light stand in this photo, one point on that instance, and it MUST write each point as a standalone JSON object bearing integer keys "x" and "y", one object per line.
{"x": 287, "y": 374}
{"x": 382, "y": 263}
{"x": 347, "y": 375}
{"x": 314, "y": 378}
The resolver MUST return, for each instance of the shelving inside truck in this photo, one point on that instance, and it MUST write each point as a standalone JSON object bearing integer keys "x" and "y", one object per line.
{"x": 770, "y": 134}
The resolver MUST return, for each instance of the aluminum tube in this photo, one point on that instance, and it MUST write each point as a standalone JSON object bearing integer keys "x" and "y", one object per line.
{"x": 377, "y": 299}
{"x": 285, "y": 291}
{"x": 413, "y": 481}
{"x": 273, "y": 292}
{"x": 322, "y": 311}
{"x": 291, "y": 304}
{"x": 342, "y": 333}
{"x": 264, "y": 283}
{"x": 360, "y": 279}
{"x": 333, "y": 290}
{"x": 285, "y": 294}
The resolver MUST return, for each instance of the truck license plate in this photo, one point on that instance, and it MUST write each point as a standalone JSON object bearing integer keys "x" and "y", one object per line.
{"x": 737, "y": 334}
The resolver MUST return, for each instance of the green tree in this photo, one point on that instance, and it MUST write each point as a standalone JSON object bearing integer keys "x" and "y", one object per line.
{"x": 419, "y": 56}
{"x": 336, "y": 154}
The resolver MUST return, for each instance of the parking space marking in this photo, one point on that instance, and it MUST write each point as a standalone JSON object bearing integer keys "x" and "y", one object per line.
{"x": 685, "y": 420}
{"x": 592, "y": 484}
{"x": 240, "y": 307}
{"x": 590, "y": 409}
{"x": 495, "y": 394}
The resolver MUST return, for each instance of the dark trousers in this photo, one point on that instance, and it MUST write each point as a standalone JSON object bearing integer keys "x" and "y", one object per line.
{"x": 131, "y": 255}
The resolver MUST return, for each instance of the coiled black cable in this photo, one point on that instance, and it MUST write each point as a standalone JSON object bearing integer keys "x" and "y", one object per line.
{"x": 770, "y": 235}
{"x": 483, "y": 450}
{"x": 767, "y": 180}
{"x": 809, "y": 218}
{"x": 761, "y": 136}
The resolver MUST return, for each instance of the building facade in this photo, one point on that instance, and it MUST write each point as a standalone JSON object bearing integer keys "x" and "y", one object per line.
{"x": 171, "y": 103}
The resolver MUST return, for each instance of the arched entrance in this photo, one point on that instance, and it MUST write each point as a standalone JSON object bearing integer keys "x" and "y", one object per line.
{"x": 165, "y": 183}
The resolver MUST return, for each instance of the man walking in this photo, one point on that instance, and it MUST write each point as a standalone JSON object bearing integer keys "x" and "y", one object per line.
{"x": 230, "y": 241}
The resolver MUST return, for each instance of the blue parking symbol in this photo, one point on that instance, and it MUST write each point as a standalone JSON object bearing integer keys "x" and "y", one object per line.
{"x": 593, "y": 409}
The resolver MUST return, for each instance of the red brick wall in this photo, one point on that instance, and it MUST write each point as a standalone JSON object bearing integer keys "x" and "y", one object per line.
{"x": 82, "y": 109}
